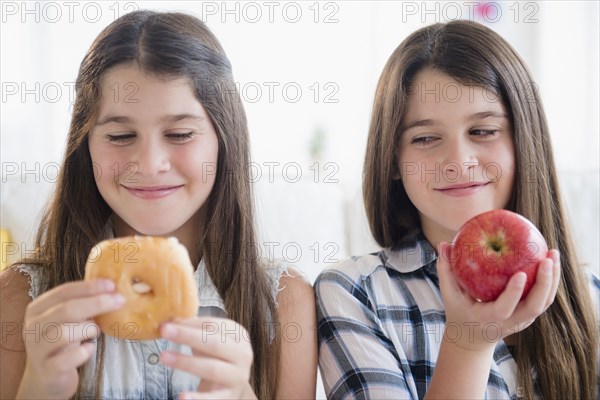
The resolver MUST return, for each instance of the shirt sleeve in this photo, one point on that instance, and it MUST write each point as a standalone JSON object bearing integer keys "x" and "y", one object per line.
{"x": 357, "y": 360}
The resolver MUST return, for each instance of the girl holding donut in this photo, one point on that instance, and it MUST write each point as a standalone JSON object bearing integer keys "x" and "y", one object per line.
{"x": 158, "y": 146}
{"x": 453, "y": 100}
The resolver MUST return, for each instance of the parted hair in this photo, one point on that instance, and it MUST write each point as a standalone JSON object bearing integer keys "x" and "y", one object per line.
{"x": 562, "y": 343}
{"x": 168, "y": 45}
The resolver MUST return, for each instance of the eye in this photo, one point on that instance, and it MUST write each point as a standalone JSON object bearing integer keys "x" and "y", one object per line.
{"x": 484, "y": 132}
{"x": 180, "y": 137}
{"x": 423, "y": 140}
{"x": 121, "y": 138}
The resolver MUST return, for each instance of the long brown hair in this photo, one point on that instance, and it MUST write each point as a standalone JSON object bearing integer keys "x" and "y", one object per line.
{"x": 562, "y": 343}
{"x": 168, "y": 45}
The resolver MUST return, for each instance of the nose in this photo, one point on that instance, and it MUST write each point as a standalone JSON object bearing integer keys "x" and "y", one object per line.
{"x": 459, "y": 158}
{"x": 152, "y": 158}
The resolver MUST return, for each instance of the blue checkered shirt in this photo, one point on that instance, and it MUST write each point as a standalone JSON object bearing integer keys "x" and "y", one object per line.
{"x": 380, "y": 323}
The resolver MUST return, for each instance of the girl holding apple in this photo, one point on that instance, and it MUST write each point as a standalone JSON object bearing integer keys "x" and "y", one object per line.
{"x": 454, "y": 123}
{"x": 158, "y": 146}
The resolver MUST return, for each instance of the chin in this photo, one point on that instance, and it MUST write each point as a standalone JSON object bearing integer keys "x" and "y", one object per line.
{"x": 152, "y": 228}
{"x": 457, "y": 220}
{"x": 466, "y": 214}
{"x": 156, "y": 230}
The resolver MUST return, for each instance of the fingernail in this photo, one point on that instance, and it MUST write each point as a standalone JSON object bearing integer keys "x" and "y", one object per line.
{"x": 107, "y": 285}
{"x": 546, "y": 268}
{"x": 520, "y": 280}
{"x": 118, "y": 299}
{"x": 169, "y": 331}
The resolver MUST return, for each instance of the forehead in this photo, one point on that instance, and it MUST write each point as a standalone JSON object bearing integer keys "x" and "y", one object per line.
{"x": 132, "y": 73}
{"x": 434, "y": 91}
{"x": 129, "y": 88}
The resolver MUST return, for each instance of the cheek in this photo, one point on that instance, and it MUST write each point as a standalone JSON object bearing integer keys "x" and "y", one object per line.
{"x": 406, "y": 166}
{"x": 198, "y": 161}
{"x": 416, "y": 173}
{"x": 507, "y": 164}
{"x": 109, "y": 164}
{"x": 99, "y": 162}
{"x": 98, "y": 150}
{"x": 414, "y": 186}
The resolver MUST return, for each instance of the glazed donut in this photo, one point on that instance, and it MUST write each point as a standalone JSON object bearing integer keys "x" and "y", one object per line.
{"x": 155, "y": 276}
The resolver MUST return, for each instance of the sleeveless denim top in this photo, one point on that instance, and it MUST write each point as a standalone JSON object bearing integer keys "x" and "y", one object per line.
{"x": 131, "y": 367}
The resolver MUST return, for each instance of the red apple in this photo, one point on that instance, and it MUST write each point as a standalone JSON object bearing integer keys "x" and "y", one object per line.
{"x": 491, "y": 247}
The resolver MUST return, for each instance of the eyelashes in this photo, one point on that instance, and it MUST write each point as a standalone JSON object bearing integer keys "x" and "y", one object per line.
{"x": 484, "y": 132}
{"x": 120, "y": 138}
{"x": 127, "y": 138}
{"x": 180, "y": 137}
{"x": 423, "y": 140}
{"x": 481, "y": 134}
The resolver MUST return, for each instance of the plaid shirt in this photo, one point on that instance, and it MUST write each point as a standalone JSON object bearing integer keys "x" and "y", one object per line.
{"x": 381, "y": 321}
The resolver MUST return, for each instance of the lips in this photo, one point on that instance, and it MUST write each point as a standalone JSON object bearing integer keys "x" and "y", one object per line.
{"x": 462, "y": 189}
{"x": 152, "y": 192}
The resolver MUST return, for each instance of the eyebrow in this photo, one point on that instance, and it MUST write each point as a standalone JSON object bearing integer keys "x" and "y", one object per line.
{"x": 431, "y": 122}
{"x": 167, "y": 118}
{"x": 486, "y": 114}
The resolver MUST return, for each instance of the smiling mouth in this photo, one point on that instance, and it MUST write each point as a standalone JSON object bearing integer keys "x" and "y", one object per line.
{"x": 462, "y": 190}
{"x": 464, "y": 186}
{"x": 152, "y": 192}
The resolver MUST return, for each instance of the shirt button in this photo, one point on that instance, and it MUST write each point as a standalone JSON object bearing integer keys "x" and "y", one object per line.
{"x": 153, "y": 358}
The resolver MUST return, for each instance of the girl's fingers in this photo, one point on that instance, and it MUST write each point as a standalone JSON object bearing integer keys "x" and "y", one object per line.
{"x": 448, "y": 285}
{"x": 214, "y": 395}
{"x": 202, "y": 322}
{"x": 83, "y": 308}
{"x": 56, "y": 324}
{"x": 65, "y": 324}
{"x": 216, "y": 371}
{"x": 58, "y": 327}
{"x": 225, "y": 340}
{"x": 68, "y": 360}
{"x": 70, "y": 290}
{"x": 555, "y": 257}
{"x": 535, "y": 302}
{"x": 73, "y": 335}
{"x": 505, "y": 305}
{"x": 51, "y": 340}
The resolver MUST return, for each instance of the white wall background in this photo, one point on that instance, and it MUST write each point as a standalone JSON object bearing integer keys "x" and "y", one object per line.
{"x": 333, "y": 52}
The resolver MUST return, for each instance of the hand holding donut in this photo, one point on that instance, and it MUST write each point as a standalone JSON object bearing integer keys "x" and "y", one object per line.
{"x": 154, "y": 275}
{"x": 221, "y": 356}
{"x": 57, "y": 327}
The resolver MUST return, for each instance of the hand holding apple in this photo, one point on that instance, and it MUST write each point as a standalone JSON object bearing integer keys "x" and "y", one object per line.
{"x": 490, "y": 248}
